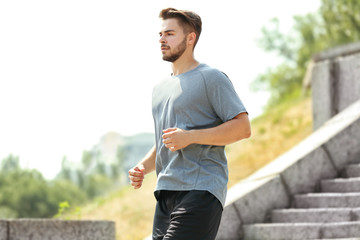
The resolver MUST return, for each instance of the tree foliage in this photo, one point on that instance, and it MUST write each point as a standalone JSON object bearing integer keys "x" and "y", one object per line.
{"x": 337, "y": 22}
{"x": 25, "y": 193}
{"x": 94, "y": 176}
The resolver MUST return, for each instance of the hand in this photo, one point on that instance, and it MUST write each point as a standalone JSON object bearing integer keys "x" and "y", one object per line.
{"x": 136, "y": 176}
{"x": 176, "y": 138}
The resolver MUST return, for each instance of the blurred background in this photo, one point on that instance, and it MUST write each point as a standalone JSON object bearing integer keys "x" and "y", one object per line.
{"x": 75, "y": 94}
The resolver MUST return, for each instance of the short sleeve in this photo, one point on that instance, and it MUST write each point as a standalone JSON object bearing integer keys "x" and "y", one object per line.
{"x": 222, "y": 96}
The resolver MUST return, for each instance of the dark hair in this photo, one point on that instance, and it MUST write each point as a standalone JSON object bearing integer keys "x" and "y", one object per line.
{"x": 190, "y": 21}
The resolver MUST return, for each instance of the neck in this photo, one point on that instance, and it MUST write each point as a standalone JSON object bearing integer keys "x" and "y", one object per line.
{"x": 184, "y": 64}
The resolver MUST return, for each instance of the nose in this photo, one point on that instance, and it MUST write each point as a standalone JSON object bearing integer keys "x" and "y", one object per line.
{"x": 162, "y": 40}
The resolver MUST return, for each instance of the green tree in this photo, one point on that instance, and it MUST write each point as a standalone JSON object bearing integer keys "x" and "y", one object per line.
{"x": 94, "y": 176}
{"x": 337, "y": 22}
{"x": 65, "y": 172}
{"x": 114, "y": 171}
{"x": 341, "y": 21}
{"x": 65, "y": 191}
{"x": 96, "y": 185}
{"x": 10, "y": 163}
{"x": 87, "y": 160}
{"x": 25, "y": 192}
{"x": 119, "y": 164}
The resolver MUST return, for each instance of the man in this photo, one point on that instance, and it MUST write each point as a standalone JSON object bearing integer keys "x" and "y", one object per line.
{"x": 196, "y": 113}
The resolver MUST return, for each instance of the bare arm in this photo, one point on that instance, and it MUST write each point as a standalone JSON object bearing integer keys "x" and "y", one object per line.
{"x": 231, "y": 131}
{"x": 145, "y": 166}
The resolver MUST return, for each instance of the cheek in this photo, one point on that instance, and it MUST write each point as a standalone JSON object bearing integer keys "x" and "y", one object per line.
{"x": 171, "y": 45}
{"x": 173, "y": 42}
{"x": 170, "y": 41}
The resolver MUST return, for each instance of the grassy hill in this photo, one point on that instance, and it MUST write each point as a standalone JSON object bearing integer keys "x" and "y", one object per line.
{"x": 272, "y": 134}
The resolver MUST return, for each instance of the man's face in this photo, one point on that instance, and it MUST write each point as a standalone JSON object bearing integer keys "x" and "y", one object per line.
{"x": 173, "y": 40}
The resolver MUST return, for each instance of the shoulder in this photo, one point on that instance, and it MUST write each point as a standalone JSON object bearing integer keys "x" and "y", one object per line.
{"x": 209, "y": 71}
{"x": 212, "y": 75}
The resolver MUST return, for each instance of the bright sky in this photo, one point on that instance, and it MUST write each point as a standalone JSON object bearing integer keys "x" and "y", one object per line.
{"x": 73, "y": 70}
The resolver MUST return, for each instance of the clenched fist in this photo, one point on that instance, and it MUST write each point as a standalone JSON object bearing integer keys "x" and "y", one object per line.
{"x": 136, "y": 176}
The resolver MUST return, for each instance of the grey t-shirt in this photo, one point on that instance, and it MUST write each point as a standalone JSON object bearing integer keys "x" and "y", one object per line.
{"x": 198, "y": 99}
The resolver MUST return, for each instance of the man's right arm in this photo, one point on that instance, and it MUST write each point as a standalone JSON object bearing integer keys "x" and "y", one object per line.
{"x": 145, "y": 166}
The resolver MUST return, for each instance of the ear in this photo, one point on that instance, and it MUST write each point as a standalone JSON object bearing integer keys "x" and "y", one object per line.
{"x": 191, "y": 38}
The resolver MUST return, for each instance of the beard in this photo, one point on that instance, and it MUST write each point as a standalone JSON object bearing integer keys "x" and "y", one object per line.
{"x": 178, "y": 51}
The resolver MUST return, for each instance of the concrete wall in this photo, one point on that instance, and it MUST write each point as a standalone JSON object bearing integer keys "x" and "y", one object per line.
{"x": 335, "y": 81}
{"x": 322, "y": 155}
{"x": 47, "y": 229}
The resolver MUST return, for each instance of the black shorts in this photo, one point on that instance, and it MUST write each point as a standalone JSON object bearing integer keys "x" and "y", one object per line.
{"x": 186, "y": 215}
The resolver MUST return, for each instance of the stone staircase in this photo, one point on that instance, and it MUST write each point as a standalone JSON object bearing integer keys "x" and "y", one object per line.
{"x": 272, "y": 204}
{"x": 331, "y": 213}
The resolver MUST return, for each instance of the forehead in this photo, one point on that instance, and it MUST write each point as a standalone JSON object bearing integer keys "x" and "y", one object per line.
{"x": 170, "y": 24}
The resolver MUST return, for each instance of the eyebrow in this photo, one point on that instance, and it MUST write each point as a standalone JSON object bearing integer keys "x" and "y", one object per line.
{"x": 167, "y": 31}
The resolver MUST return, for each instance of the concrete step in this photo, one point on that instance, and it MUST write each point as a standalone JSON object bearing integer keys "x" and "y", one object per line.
{"x": 292, "y": 231}
{"x": 314, "y": 215}
{"x": 341, "y": 185}
{"x": 327, "y": 200}
{"x": 352, "y": 170}
{"x": 358, "y": 238}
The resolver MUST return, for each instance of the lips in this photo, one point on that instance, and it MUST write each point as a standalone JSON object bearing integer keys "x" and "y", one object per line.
{"x": 164, "y": 47}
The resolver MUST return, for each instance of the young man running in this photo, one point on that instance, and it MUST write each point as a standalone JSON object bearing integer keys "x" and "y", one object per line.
{"x": 196, "y": 113}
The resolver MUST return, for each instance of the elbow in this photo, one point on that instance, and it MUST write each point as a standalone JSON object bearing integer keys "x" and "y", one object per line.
{"x": 244, "y": 126}
{"x": 248, "y": 130}
{"x": 242, "y": 135}
{"x": 247, "y": 133}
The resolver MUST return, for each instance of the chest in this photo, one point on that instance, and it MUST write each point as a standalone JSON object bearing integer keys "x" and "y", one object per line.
{"x": 179, "y": 95}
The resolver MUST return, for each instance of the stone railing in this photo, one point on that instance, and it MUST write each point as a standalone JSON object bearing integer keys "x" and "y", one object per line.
{"x": 48, "y": 229}
{"x": 335, "y": 81}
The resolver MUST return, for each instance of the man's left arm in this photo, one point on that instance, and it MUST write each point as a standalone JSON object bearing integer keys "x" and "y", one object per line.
{"x": 228, "y": 132}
